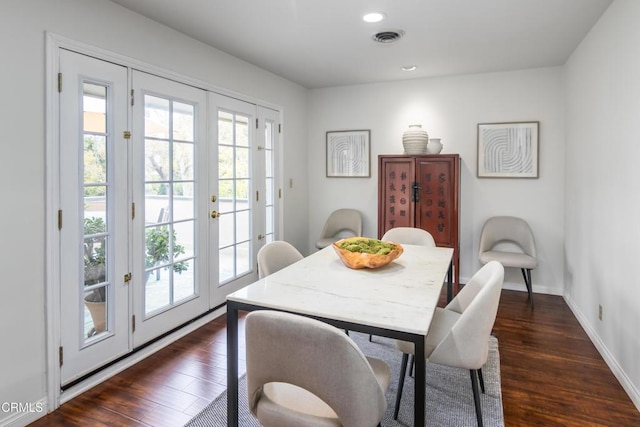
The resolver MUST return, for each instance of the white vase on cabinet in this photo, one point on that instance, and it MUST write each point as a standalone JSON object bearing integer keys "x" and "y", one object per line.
{"x": 435, "y": 146}
{"x": 415, "y": 140}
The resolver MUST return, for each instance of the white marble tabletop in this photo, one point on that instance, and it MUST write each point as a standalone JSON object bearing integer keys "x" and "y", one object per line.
{"x": 400, "y": 296}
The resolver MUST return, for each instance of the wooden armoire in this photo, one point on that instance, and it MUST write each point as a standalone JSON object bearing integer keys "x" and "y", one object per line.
{"x": 422, "y": 191}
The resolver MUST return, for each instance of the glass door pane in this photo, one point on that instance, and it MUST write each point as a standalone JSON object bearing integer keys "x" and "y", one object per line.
{"x": 269, "y": 181}
{"x": 169, "y": 147}
{"x": 234, "y": 189}
{"x": 96, "y": 203}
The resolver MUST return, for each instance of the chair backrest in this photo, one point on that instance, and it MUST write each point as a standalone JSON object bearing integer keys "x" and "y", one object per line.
{"x": 507, "y": 229}
{"x": 342, "y": 220}
{"x": 409, "y": 236}
{"x": 467, "y": 344}
{"x": 275, "y": 256}
{"x": 287, "y": 348}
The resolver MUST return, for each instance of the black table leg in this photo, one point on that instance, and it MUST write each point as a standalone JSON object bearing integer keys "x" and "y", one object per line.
{"x": 420, "y": 365}
{"x": 232, "y": 365}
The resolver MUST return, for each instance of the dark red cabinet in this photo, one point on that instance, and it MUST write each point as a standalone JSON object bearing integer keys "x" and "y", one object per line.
{"x": 422, "y": 191}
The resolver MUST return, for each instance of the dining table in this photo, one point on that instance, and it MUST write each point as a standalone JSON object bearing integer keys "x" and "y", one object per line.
{"x": 397, "y": 301}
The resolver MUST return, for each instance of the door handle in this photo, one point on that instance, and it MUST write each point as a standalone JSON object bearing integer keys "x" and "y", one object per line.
{"x": 215, "y": 214}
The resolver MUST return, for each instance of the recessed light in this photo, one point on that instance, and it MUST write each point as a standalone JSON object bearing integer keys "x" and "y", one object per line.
{"x": 374, "y": 17}
{"x": 408, "y": 68}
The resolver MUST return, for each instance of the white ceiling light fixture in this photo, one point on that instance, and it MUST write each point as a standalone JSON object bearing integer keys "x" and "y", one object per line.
{"x": 374, "y": 17}
{"x": 408, "y": 68}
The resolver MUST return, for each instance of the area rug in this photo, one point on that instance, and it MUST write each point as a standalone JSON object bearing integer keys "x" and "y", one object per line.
{"x": 448, "y": 392}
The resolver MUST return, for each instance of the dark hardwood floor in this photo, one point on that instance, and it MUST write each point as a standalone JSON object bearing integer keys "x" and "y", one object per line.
{"x": 552, "y": 375}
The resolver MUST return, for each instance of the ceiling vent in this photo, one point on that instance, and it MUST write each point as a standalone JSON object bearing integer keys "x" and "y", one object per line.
{"x": 388, "y": 36}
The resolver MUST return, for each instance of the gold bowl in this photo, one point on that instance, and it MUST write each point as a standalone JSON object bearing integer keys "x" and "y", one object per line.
{"x": 357, "y": 259}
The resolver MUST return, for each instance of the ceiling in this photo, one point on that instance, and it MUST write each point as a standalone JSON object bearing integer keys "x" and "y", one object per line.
{"x": 325, "y": 43}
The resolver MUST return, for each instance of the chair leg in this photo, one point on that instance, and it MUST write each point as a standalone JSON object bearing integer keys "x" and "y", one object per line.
{"x": 370, "y": 336}
{"x": 412, "y": 365}
{"x": 476, "y": 395}
{"x": 526, "y": 273}
{"x": 403, "y": 373}
{"x": 481, "y": 380}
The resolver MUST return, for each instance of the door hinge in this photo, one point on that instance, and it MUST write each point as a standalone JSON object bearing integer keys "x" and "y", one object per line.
{"x": 261, "y": 236}
{"x": 279, "y": 193}
{"x": 61, "y": 355}
{"x": 133, "y": 323}
{"x": 127, "y": 134}
{"x": 59, "y": 82}
{"x": 127, "y": 278}
{"x": 60, "y": 219}
{"x": 133, "y": 211}
{"x": 132, "y": 97}
{"x": 279, "y": 127}
{"x": 257, "y": 196}
{"x": 257, "y": 124}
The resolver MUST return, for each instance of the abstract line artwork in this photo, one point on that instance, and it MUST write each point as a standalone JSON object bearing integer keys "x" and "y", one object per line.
{"x": 508, "y": 150}
{"x": 348, "y": 154}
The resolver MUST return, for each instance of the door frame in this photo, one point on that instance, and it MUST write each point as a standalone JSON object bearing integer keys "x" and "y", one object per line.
{"x": 53, "y": 43}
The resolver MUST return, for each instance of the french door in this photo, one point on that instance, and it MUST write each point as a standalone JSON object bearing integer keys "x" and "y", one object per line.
{"x": 235, "y": 231}
{"x": 93, "y": 220}
{"x": 170, "y": 188}
{"x": 269, "y": 140}
{"x": 166, "y": 194}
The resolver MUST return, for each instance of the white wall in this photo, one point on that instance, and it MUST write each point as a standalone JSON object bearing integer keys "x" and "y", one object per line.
{"x": 451, "y": 108}
{"x": 602, "y": 213}
{"x": 22, "y": 162}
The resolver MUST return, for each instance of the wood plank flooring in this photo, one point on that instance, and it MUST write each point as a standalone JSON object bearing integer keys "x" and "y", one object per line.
{"x": 552, "y": 375}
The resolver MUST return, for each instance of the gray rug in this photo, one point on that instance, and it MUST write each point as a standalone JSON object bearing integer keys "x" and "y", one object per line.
{"x": 449, "y": 395}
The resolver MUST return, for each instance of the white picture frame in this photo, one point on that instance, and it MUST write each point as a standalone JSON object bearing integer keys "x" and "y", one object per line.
{"x": 508, "y": 150}
{"x": 348, "y": 154}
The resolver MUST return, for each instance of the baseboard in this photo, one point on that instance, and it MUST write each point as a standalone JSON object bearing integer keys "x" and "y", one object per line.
{"x": 26, "y": 412}
{"x": 610, "y": 360}
{"x": 138, "y": 356}
{"x": 519, "y": 286}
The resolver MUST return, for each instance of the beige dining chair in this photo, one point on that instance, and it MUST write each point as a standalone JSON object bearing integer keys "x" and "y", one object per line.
{"x": 409, "y": 236}
{"x": 340, "y": 224}
{"x": 509, "y": 240}
{"x": 275, "y": 256}
{"x": 303, "y": 372}
{"x": 459, "y": 333}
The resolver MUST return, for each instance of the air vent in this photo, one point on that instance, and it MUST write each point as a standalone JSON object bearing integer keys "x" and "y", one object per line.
{"x": 388, "y": 36}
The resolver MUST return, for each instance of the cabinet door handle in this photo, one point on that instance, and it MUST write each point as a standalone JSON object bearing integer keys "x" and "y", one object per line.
{"x": 416, "y": 192}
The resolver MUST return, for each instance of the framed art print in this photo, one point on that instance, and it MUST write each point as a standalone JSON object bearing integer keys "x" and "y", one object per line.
{"x": 508, "y": 150}
{"x": 348, "y": 154}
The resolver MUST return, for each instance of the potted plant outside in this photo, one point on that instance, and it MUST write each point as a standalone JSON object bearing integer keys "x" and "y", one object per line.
{"x": 157, "y": 253}
{"x": 157, "y": 246}
{"x": 95, "y": 271}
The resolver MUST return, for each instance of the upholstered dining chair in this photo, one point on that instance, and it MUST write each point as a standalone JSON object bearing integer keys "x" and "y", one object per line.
{"x": 509, "y": 240}
{"x": 275, "y": 256}
{"x": 340, "y": 224}
{"x": 303, "y": 372}
{"x": 409, "y": 236}
{"x": 459, "y": 333}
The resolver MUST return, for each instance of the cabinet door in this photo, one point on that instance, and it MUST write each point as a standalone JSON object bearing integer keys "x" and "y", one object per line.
{"x": 437, "y": 204}
{"x": 395, "y": 198}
